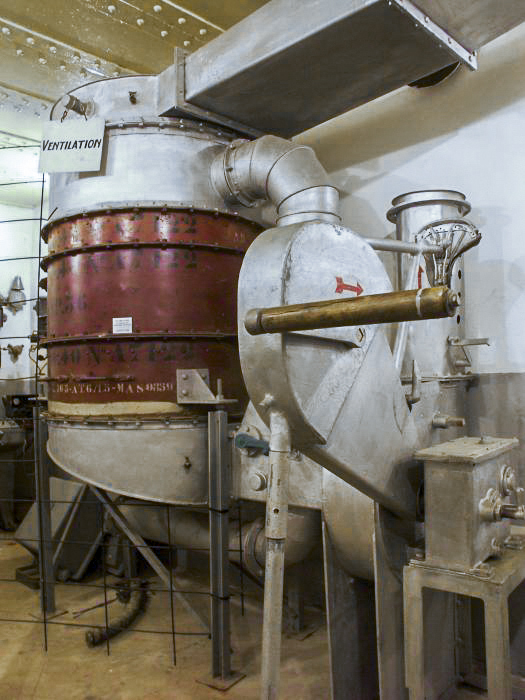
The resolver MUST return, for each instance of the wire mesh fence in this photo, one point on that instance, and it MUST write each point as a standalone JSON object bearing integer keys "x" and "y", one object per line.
{"x": 110, "y": 566}
{"x": 78, "y": 537}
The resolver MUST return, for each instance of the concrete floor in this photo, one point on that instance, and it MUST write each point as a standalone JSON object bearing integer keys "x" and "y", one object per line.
{"x": 140, "y": 665}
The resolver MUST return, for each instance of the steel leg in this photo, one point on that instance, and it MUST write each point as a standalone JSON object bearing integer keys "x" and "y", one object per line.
{"x": 388, "y": 550}
{"x": 219, "y": 501}
{"x": 497, "y": 643}
{"x": 276, "y": 522}
{"x": 45, "y": 536}
{"x": 222, "y": 677}
{"x": 294, "y": 609}
{"x": 414, "y": 641}
{"x": 351, "y": 630}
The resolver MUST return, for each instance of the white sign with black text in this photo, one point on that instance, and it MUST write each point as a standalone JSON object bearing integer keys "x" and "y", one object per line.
{"x": 71, "y": 146}
{"x": 124, "y": 324}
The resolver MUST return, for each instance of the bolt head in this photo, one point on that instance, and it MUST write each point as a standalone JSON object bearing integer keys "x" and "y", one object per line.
{"x": 258, "y": 481}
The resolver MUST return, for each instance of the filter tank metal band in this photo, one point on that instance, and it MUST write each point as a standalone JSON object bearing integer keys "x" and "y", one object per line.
{"x": 123, "y": 337}
{"x": 129, "y": 245}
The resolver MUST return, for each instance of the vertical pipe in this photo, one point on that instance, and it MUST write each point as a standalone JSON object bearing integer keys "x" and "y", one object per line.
{"x": 219, "y": 500}
{"x": 45, "y": 536}
{"x": 276, "y": 522}
{"x": 403, "y": 328}
{"x": 172, "y": 605}
{"x": 105, "y": 583}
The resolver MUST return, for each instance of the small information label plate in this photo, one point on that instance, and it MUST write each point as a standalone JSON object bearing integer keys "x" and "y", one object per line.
{"x": 123, "y": 325}
{"x": 72, "y": 146}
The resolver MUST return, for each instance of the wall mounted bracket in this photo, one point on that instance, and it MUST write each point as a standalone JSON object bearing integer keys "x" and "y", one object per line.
{"x": 193, "y": 387}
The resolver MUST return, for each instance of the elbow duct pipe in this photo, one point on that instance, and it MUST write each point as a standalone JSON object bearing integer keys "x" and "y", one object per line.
{"x": 190, "y": 530}
{"x": 280, "y": 171}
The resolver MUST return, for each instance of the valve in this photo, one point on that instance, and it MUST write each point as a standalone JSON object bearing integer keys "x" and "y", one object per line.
{"x": 493, "y": 509}
{"x": 443, "y": 421}
{"x": 507, "y": 481}
{"x": 249, "y": 442}
{"x": 490, "y": 506}
{"x": 456, "y": 236}
{"x": 512, "y": 511}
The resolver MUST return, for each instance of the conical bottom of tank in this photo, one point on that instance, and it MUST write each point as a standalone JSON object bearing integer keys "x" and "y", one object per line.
{"x": 154, "y": 461}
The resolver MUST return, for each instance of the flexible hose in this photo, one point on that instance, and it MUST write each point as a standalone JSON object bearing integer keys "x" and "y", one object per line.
{"x": 137, "y": 605}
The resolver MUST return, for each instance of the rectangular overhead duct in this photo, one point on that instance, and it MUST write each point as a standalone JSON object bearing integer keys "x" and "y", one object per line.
{"x": 293, "y": 64}
{"x": 473, "y": 23}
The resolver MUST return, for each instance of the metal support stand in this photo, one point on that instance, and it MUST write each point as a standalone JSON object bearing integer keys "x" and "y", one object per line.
{"x": 293, "y": 623}
{"x": 276, "y": 525}
{"x": 222, "y": 676}
{"x": 493, "y": 584}
{"x": 146, "y": 551}
{"x": 351, "y": 630}
{"x": 389, "y": 558}
{"x": 43, "y": 500}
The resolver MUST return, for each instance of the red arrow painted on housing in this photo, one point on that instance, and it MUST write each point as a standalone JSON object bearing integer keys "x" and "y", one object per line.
{"x": 342, "y": 287}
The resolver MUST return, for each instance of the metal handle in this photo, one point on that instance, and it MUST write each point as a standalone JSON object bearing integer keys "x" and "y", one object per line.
{"x": 411, "y": 305}
{"x": 462, "y": 342}
{"x": 510, "y": 510}
{"x": 243, "y": 440}
{"x": 441, "y": 420}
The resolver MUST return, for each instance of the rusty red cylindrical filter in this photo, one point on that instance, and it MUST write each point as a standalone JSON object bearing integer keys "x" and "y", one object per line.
{"x": 134, "y": 296}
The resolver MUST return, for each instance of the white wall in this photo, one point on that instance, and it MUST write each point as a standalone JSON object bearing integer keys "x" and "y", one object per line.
{"x": 19, "y": 233}
{"x": 18, "y": 239}
{"x": 467, "y": 134}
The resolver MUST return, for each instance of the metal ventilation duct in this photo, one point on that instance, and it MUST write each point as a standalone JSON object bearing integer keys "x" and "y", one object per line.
{"x": 473, "y": 23}
{"x": 293, "y": 64}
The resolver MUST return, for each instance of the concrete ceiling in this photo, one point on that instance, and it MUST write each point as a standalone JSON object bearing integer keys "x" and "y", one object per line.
{"x": 48, "y": 47}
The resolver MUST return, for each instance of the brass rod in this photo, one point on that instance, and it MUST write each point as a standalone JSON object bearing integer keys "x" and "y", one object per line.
{"x": 392, "y": 307}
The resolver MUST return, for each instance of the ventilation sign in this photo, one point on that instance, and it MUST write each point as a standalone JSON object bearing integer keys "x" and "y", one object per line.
{"x": 72, "y": 146}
